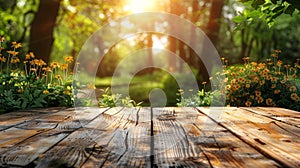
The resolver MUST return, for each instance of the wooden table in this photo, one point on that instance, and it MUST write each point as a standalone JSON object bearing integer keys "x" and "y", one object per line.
{"x": 151, "y": 137}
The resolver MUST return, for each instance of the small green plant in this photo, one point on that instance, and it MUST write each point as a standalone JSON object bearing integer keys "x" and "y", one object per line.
{"x": 114, "y": 100}
{"x": 202, "y": 98}
{"x": 27, "y": 82}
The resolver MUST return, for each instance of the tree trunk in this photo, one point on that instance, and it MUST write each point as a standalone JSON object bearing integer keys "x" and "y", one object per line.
{"x": 214, "y": 22}
{"x": 41, "y": 33}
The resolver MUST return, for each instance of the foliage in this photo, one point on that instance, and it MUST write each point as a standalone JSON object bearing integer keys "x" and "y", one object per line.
{"x": 264, "y": 84}
{"x": 275, "y": 8}
{"x": 32, "y": 84}
{"x": 256, "y": 84}
{"x": 114, "y": 100}
{"x": 202, "y": 98}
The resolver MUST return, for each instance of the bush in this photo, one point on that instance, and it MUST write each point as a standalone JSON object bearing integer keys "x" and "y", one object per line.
{"x": 27, "y": 82}
{"x": 264, "y": 84}
{"x": 256, "y": 84}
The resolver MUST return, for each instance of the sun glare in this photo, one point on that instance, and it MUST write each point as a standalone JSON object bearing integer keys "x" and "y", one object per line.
{"x": 138, "y": 6}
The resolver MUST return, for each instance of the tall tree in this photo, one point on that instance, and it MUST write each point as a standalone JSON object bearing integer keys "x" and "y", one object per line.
{"x": 41, "y": 33}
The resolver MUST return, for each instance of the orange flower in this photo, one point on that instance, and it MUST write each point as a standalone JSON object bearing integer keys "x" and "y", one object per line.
{"x": 64, "y": 66}
{"x": 276, "y": 91}
{"x": 54, "y": 65}
{"x": 259, "y": 99}
{"x": 279, "y": 63}
{"x": 29, "y": 55}
{"x": 247, "y": 85}
{"x": 269, "y": 102}
{"x": 293, "y": 88}
{"x": 69, "y": 59}
{"x": 16, "y": 45}
{"x": 248, "y": 103}
{"x": 262, "y": 82}
{"x": 66, "y": 92}
{"x": 14, "y": 60}
{"x": 45, "y": 92}
{"x": 273, "y": 86}
{"x": 2, "y": 59}
{"x": 257, "y": 93}
{"x": 295, "y": 97}
{"x": 14, "y": 53}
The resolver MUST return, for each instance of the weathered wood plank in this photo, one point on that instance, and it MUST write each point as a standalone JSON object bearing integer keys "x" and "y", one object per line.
{"x": 278, "y": 114}
{"x": 271, "y": 138}
{"x": 195, "y": 141}
{"x": 48, "y": 133}
{"x": 11, "y": 119}
{"x": 25, "y": 153}
{"x": 85, "y": 143}
{"x": 126, "y": 144}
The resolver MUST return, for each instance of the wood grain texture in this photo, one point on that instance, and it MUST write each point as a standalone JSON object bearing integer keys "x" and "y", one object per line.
{"x": 275, "y": 140}
{"x": 150, "y": 137}
{"x": 189, "y": 140}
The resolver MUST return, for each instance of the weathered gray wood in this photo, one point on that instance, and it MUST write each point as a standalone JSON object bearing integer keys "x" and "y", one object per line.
{"x": 271, "y": 138}
{"x": 190, "y": 140}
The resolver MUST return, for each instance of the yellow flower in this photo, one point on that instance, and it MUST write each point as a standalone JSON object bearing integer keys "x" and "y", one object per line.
{"x": 237, "y": 86}
{"x": 16, "y": 45}
{"x": 241, "y": 80}
{"x": 256, "y": 79}
{"x": 279, "y": 63}
{"x": 247, "y": 85}
{"x": 47, "y": 69}
{"x": 58, "y": 76}
{"x": 277, "y": 51}
{"x": 293, "y": 88}
{"x": 295, "y": 97}
{"x": 64, "y": 66}
{"x": 14, "y": 60}
{"x": 45, "y": 92}
{"x": 257, "y": 93}
{"x": 2, "y": 59}
{"x": 91, "y": 86}
{"x": 273, "y": 79}
{"x": 269, "y": 102}
{"x": 54, "y": 65}
{"x": 2, "y": 39}
{"x": 69, "y": 59}
{"x": 262, "y": 82}
{"x": 273, "y": 86}
{"x": 29, "y": 56}
{"x": 277, "y": 91}
{"x": 248, "y": 103}
{"x": 14, "y": 53}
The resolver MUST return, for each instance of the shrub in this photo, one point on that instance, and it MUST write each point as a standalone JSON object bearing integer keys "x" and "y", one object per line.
{"x": 27, "y": 82}
{"x": 256, "y": 84}
{"x": 264, "y": 84}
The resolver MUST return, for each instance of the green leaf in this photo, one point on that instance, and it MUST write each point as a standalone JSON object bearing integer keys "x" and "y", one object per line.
{"x": 289, "y": 10}
{"x": 277, "y": 9}
{"x": 238, "y": 19}
{"x": 274, "y": 1}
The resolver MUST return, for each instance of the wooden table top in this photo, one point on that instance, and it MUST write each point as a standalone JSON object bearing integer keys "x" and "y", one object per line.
{"x": 151, "y": 137}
